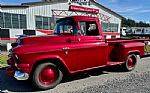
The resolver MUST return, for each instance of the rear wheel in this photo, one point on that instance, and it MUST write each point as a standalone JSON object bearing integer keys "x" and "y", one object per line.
{"x": 130, "y": 62}
{"x": 47, "y": 76}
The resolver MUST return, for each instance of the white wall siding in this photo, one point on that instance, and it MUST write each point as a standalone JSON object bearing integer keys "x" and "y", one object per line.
{"x": 46, "y": 10}
{"x": 42, "y": 10}
{"x": 14, "y": 32}
{"x": 14, "y": 10}
{"x": 30, "y": 19}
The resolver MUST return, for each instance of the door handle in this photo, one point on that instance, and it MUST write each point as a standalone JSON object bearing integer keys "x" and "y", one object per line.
{"x": 79, "y": 39}
{"x": 65, "y": 48}
{"x": 99, "y": 38}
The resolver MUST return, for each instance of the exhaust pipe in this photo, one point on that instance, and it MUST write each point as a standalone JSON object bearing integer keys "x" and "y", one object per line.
{"x": 21, "y": 76}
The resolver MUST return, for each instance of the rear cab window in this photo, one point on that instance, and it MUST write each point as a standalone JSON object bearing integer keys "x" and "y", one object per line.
{"x": 88, "y": 28}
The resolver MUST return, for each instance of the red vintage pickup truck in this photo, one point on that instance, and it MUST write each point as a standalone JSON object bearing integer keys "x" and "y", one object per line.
{"x": 77, "y": 45}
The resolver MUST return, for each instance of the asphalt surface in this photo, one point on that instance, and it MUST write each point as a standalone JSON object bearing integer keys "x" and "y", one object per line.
{"x": 106, "y": 80}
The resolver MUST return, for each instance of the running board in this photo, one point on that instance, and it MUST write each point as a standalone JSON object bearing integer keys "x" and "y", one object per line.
{"x": 114, "y": 63}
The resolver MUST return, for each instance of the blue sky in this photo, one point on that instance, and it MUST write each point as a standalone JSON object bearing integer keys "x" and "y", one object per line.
{"x": 138, "y": 10}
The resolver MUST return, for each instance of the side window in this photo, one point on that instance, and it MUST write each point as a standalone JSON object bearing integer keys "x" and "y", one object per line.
{"x": 66, "y": 29}
{"x": 88, "y": 28}
{"x": 83, "y": 28}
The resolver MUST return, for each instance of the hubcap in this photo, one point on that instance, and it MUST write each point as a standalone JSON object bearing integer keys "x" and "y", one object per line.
{"x": 48, "y": 75}
{"x": 131, "y": 62}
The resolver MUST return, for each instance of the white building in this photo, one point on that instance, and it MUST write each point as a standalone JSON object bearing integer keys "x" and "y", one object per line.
{"x": 38, "y": 18}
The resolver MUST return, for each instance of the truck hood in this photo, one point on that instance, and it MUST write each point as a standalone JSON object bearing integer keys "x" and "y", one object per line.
{"x": 34, "y": 44}
{"x": 45, "y": 40}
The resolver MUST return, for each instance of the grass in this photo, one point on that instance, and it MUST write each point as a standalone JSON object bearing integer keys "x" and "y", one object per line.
{"x": 147, "y": 49}
{"x": 3, "y": 60}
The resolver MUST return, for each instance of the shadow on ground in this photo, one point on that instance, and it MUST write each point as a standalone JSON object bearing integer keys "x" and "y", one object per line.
{"x": 12, "y": 85}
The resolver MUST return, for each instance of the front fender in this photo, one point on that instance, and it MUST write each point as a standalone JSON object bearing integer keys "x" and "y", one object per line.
{"x": 38, "y": 59}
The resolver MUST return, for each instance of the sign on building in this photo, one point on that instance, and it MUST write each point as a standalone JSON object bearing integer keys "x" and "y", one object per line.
{"x": 81, "y": 2}
{"x": 83, "y": 9}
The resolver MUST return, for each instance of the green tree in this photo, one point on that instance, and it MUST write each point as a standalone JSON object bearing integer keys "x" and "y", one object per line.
{"x": 133, "y": 23}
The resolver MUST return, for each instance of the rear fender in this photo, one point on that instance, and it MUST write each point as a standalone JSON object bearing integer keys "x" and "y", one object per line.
{"x": 136, "y": 52}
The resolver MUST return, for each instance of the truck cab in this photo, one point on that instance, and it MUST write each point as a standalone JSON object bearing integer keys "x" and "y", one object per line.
{"x": 77, "y": 45}
{"x": 85, "y": 37}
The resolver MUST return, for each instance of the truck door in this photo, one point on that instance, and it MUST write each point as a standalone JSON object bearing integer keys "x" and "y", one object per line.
{"x": 66, "y": 30}
{"x": 91, "y": 49}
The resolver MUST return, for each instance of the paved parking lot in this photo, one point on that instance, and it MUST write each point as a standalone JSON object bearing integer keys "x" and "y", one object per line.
{"x": 97, "y": 81}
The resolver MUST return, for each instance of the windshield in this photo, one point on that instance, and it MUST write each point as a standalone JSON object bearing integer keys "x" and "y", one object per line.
{"x": 66, "y": 26}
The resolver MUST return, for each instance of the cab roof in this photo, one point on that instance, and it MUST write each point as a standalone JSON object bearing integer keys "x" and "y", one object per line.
{"x": 81, "y": 18}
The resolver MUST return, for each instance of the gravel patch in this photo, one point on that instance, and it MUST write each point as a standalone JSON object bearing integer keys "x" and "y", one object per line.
{"x": 97, "y": 81}
{"x": 134, "y": 83}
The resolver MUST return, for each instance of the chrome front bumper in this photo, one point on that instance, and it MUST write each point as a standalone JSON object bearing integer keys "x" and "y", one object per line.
{"x": 21, "y": 76}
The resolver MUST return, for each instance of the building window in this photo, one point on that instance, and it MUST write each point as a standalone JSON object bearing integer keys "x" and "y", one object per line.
{"x": 9, "y": 20}
{"x": 1, "y": 20}
{"x": 4, "y": 33}
{"x": 23, "y": 22}
{"x": 15, "y": 21}
{"x": 7, "y": 17}
{"x": 39, "y": 24}
{"x": 29, "y": 32}
{"x": 52, "y": 22}
{"x": 45, "y": 23}
{"x": 105, "y": 27}
{"x": 109, "y": 27}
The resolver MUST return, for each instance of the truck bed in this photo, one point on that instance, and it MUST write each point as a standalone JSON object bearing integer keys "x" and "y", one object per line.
{"x": 125, "y": 40}
{"x": 117, "y": 47}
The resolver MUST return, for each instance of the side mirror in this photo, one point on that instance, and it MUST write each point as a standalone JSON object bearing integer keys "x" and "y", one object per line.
{"x": 80, "y": 32}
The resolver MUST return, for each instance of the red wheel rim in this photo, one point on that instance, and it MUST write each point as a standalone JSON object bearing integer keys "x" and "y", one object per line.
{"x": 131, "y": 62}
{"x": 48, "y": 75}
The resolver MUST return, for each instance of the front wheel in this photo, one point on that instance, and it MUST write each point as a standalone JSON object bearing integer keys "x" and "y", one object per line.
{"x": 47, "y": 76}
{"x": 130, "y": 62}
